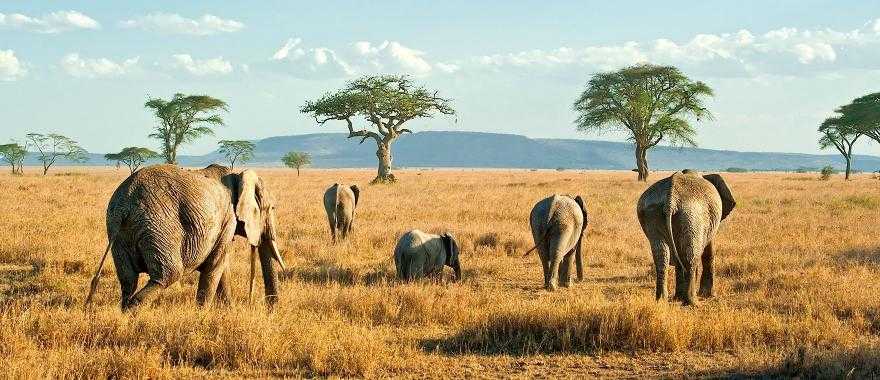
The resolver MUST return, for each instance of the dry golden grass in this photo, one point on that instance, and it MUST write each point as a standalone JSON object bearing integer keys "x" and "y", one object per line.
{"x": 798, "y": 264}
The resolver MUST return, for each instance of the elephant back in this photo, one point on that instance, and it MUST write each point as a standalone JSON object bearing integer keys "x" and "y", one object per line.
{"x": 556, "y": 210}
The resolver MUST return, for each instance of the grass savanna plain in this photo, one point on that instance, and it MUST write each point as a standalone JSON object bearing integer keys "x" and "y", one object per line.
{"x": 798, "y": 264}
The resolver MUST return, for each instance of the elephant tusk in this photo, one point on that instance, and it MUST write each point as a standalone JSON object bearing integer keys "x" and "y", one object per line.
{"x": 278, "y": 255}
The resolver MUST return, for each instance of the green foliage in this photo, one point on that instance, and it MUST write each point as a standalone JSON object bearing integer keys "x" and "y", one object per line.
{"x": 736, "y": 170}
{"x": 296, "y": 160}
{"x": 826, "y": 173}
{"x": 237, "y": 150}
{"x": 51, "y": 147}
{"x": 132, "y": 156}
{"x": 650, "y": 103}
{"x": 863, "y": 115}
{"x": 183, "y": 119}
{"x": 14, "y": 154}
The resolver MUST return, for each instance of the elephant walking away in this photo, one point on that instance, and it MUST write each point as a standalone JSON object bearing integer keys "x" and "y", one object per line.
{"x": 340, "y": 203}
{"x": 558, "y": 225}
{"x": 680, "y": 216}
{"x": 419, "y": 254}
{"x": 166, "y": 221}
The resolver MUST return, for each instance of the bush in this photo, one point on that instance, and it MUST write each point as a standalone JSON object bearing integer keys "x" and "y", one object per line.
{"x": 826, "y": 173}
{"x": 736, "y": 170}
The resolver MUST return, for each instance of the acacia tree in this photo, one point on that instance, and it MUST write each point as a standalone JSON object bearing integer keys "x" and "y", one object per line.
{"x": 14, "y": 154}
{"x": 648, "y": 102}
{"x": 837, "y": 132}
{"x": 51, "y": 147}
{"x": 296, "y": 160}
{"x": 133, "y": 157}
{"x": 183, "y": 119}
{"x": 384, "y": 102}
{"x": 237, "y": 150}
{"x": 863, "y": 114}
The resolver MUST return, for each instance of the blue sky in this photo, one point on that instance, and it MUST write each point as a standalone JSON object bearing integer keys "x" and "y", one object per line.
{"x": 85, "y": 68}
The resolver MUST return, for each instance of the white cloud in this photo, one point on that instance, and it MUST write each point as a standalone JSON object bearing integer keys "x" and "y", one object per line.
{"x": 55, "y": 22}
{"x": 284, "y": 51}
{"x": 212, "y": 66}
{"x": 79, "y": 67}
{"x": 172, "y": 23}
{"x": 10, "y": 67}
{"x": 809, "y": 52}
{"x": 393, "y": 56}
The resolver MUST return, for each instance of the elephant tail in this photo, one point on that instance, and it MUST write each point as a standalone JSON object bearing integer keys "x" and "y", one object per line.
{"x": 540, "y": 241}
{"x": 670, "y": 238}
{"x": 97, "y": 276}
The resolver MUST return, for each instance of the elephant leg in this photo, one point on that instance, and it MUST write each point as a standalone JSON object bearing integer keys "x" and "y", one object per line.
{"x": 545, "y": 265}
{"x": 556, "y": 254}
{"x": 680, "y": 279}
{"x": 127, "y": 276}
{"x": 223, "y": 287}
{"x": 332, "y": 221}
{"x": 689, "y": 273}
{"x": 565, "y": 270}
{"x": 660, "y": 251}
{"x": 209, "y": 282}
{"x": 707, "y": 276}
{"x": 148, "y": 291}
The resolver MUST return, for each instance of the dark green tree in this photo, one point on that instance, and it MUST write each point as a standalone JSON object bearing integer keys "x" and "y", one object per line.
{"x": 863, "y": 114}
{"x": 184, "y": 119}
{"x": 14, "y": 154}
{"x": 648, "y": 102}
{"x": 839, "y": 133}
{"x": 51, "y": 147}
{"x": 384, "y": 103}
{"x": 296, "y": 160}
{"x": 237, "y": 151}
{"x": 133, "y": 157}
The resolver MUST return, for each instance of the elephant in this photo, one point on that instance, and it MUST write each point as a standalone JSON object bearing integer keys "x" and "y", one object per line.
{"x": 419, "y": 254}
{"x": 681, "y": 214}
{"x": 558, "y": 224}
{"x": 340, "y": 203}
{"x": 166, "y": 221}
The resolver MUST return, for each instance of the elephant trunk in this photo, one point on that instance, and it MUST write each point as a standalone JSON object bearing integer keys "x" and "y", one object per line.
{"x": 268, "y": 255}
{"x": 456, "y": 267}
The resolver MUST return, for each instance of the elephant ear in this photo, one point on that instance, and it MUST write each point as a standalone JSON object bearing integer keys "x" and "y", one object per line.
{"x": 247, "y": 208}
{"x": 580, "y": 201}
{"x": 727, "y": 200}
{"x": 357, "y": 193}
{"x": 448, "y": 245}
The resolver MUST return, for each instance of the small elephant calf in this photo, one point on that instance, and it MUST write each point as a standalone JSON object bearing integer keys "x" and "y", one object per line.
{"x": 340, "y": 202}
{"x": 558, "y": 224}
{"x": 419, "y": 254}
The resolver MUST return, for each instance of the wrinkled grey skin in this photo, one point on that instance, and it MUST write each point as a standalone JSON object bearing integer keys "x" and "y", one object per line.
{"x": 340, "y": 203}
{"x": 419, "y": 254}
{"x": 558, "y": 224}
{"x": 166, "y": 221}
{"x": 680, "y": 216}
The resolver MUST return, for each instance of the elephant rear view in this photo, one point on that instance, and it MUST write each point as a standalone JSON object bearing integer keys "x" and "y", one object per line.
{"x": 558, "y": 224}
{"x": 419, "y": 254}
{"x": 680, "y": 216}
{"x": 166, "y": 221}
{"x": 340, "y": 203}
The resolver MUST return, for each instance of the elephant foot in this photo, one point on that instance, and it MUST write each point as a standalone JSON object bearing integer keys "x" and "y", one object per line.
{"x": 550, "y": 287}
{"x": 565, "y": 284}
{"x": 706, "y": 294}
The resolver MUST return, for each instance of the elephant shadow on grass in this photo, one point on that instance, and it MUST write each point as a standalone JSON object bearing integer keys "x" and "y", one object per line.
{"x": 860, "y": 256}
{"x": 325, "y": 273}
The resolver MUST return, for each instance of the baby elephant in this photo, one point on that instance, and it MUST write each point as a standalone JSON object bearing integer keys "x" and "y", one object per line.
{"x": 340, "y": 202}
{"x": 420, "y": 254}
{"x": 681, "y": 214}
{"x": 558, "y": 224}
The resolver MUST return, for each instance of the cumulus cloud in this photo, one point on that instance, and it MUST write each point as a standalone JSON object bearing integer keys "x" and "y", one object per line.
{"x": 79, "y": 67}
{"x": 171, "y": 23}
{"x": 359, "y": 57}
{"x": 10, "y": 67}
{"x": 55, "y": 22}
{"x": 212, "y": 66}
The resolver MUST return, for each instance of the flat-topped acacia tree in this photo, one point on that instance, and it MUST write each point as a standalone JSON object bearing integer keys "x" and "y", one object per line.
{"x": 385, "y": 102}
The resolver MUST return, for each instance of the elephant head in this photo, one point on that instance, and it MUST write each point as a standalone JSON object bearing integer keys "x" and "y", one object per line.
{"x": 255, "y": 217}
{"x": 451, "y": 247}
{"x": 578, "y": 258}
{"x": 727, "y": 201}
{"x": 357, "y": 193}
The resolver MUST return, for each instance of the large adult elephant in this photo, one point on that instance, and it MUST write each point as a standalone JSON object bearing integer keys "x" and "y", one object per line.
{"x": 340, "y": 203}
{"x": 166, "y": 221}
{"x": 419, "y": 254}
{"x": 558, "y": 224}
{"x": 682, "y": 214}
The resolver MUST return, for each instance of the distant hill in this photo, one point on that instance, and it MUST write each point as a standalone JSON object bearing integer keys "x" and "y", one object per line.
{"x": 494, "y": 150}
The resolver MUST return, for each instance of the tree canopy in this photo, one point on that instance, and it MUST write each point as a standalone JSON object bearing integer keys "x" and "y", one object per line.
{"x": 296, "y": 160}
{"x": 863, "y": 115}
{"x": 840, "y": 133}
{"x": 14, "y": 154}
{"x": 237, "y": 151}
{"x": 184, "y": 119}
{"x": 650, "y": 103}
{"x": 385, "y": 103}
{"x": 51, "y": 147}
{"x": 132, "y": 156}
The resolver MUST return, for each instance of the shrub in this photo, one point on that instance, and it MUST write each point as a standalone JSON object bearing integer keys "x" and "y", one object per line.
{"x": 826, "y": 173}
{"x": 736, "y": 170}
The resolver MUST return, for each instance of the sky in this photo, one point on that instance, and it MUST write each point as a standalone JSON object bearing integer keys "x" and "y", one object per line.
{"x": 85, "y": 68}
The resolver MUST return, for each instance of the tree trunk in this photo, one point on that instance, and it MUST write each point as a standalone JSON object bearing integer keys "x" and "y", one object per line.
{"x": 297, "y": 171}
{"x": 384, "y": 174}
{"x": 45, "y": 169}
{"x": 848, "y": 164}
{"x": 642, "y": 162}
